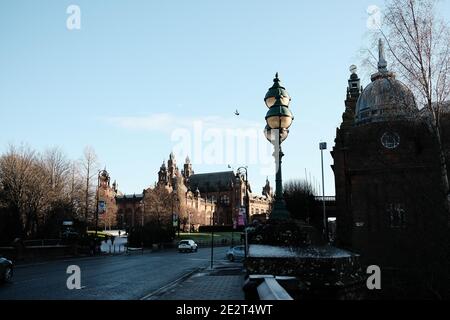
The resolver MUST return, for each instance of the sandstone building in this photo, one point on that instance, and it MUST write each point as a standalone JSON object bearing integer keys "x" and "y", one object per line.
{"x": 217, "y": 198}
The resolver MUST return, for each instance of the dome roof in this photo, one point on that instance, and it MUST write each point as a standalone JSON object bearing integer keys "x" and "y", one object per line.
{"x": 385, "y": 99}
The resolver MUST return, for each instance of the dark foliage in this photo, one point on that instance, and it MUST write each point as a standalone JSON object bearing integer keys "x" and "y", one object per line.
{"x": 151, "y": 233}
{"x": 301, "y": 203}
{"x": 288, "y": 233}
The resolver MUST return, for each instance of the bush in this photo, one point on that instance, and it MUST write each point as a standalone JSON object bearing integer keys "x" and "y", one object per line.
{"x": 209, "y": 229}
{"x": 150, "y": 234}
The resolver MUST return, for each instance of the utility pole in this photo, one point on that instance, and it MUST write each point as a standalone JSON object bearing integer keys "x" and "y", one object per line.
{"x": 96, "y": 204}
{"x": 323, "y": 146}
{"x": 212, "y": 241}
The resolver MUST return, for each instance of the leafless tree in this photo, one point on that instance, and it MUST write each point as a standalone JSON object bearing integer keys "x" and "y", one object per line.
{"x": 90, "y": 170}
{"x": 16, "y": 166}
{"x": 75, "y": 185}
{"x": 38, "y": 190}
{"x": 158, "y": 205}
{"x": 56, "y": 169}
{"x": 418, "y": 42}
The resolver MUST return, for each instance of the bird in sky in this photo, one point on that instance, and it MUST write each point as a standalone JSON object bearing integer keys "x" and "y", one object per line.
{"x": 237, "y": 112}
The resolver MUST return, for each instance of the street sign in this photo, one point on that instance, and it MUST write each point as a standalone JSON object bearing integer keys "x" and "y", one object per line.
{"x": 323, "y": 146}
{"x": 101, "y": 207}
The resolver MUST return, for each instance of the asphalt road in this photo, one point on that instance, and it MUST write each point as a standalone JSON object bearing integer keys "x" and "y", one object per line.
{"x": 121, "y": 277}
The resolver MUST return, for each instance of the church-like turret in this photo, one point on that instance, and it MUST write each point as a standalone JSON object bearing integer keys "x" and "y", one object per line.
{"x": 267, "y": 189}
{"x": 187, "y": 170}
{"x": 162, "y": 174}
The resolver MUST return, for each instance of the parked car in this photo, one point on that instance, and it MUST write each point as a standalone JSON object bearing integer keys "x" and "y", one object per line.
{"x": 6, "y": 270}
{"x": 236, "y": 253}
{"x": 187, "y": 246}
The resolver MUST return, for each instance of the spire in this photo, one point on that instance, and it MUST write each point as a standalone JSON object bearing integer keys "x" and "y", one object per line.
{"x": 188, "y": 160}
{"x": 171, "y": 156}
{"x": 276, "y": 81}
{"x": 382, "y": 64}
{"x": 354, "y": 83}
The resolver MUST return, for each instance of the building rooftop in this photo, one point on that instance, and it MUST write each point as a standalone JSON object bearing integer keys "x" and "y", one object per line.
{"x": 212, "y": 182}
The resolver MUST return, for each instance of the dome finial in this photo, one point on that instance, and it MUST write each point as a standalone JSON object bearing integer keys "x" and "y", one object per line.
{"x": 382, "y": 64}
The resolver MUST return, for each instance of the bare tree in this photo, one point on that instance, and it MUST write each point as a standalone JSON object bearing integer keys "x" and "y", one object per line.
{"x": 418, "y": 43}
{"x": 157, "y": 203}
{"x": 38, "y": 191}
{"x": 56, "y": 168}
{"x": 90, "y": 169}
{"x": 16, "y": 166}
{"x": 75, "y": 187}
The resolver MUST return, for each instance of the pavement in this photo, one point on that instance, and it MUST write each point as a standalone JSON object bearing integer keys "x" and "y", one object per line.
{"x": 125, "y": 277}
{"x": 223, "y": 282}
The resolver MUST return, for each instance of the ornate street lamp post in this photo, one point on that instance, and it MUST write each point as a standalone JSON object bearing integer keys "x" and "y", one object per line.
{"x": 279, "y": 119}
{"x": 243, "y": 171}
{"x": 104, "y": 174}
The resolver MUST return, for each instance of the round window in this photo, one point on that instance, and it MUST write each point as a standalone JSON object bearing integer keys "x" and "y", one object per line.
{"x": 390, "y": 140}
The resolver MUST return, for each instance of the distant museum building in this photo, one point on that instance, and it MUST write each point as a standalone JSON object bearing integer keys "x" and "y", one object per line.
{"x": 218, "y": 195}
{"x": 387, "y": 171}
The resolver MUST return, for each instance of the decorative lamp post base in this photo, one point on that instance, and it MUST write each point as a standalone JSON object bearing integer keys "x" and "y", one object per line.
{"x": 279, "y": 211}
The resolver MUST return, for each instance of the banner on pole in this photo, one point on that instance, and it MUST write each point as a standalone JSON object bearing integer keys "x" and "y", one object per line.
{"x": 101, "y": 207}
{"x": 242, "y": 217}
{"x": 175, "y": 220}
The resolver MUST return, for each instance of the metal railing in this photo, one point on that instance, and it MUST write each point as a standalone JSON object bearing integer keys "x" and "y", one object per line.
{"x": 327, "y": 198}
{"x": 43, "y": 243}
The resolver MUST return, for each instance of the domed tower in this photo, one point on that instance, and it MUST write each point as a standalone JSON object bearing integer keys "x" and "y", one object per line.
{"x": 187, "y": 171}
{"x": 172, "y": 169}
{"x": 104, "y": 179}
{"x": 386, "y": 170}
{"x": 385, "y": 99}
{"x": 267, "y": 189}
{"x": 115, "y": 186}
{"x": 162, "y": 175}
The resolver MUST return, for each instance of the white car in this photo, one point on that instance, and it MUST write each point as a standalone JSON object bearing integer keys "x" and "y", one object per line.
{"x": 187, "y": 246}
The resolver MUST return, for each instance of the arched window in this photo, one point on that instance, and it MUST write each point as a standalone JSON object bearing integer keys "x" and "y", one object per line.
{"x": 225, "y": 199}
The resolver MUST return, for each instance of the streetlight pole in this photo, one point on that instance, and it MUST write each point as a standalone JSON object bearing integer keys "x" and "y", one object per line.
{"x": 96, "y": 203}
{"x": 212, "y": 240}
{"x": 279, "y": 119}
{"x": 142, "y": 213}
{"x": 247, "y": 202}
{"x": 175, "y": 215}
{"x": 323, "y": 146}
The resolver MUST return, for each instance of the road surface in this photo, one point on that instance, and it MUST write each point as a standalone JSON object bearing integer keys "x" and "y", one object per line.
{"x": 120, "y": 277}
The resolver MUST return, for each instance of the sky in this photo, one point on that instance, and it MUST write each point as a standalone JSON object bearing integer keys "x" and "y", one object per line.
{"x": 140, "y": 79}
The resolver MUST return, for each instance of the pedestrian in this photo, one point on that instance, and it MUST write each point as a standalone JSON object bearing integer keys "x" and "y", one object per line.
{"x": 92, "y": 247}
{"x": 112, "y": 240}
{"x": 119, "y": 233}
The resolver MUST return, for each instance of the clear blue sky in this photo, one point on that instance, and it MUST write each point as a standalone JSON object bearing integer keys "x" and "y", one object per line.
{"x": 137, "y": 70}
